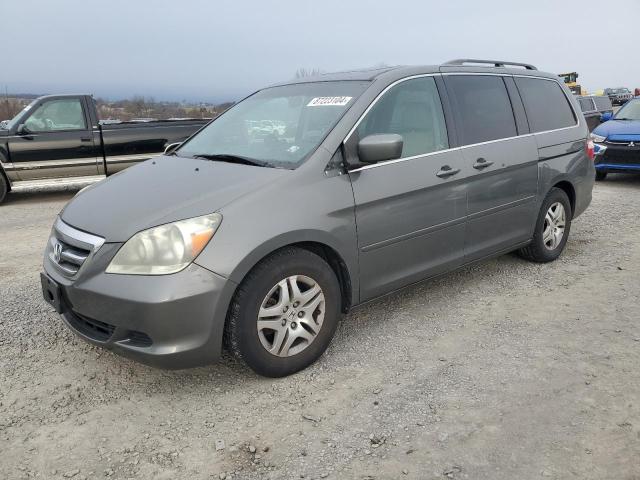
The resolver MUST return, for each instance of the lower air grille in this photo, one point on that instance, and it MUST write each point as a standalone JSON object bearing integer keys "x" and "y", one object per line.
{"x": 91, "y": 328}
{"x": 139, "y": 339}
{"x": 621, "y": 154}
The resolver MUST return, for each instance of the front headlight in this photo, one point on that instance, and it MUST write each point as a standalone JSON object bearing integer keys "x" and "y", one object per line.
{"x": 165, "y": 249}
{"x": 597, "y": 138}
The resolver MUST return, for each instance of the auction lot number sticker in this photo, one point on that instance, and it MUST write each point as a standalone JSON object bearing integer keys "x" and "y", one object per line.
{"x": 329, "y": 101}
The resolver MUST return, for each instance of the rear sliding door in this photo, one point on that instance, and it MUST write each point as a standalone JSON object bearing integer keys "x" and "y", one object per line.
{"x": 502, "y": 158}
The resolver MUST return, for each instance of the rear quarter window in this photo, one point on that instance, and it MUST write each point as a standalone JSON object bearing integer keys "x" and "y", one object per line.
{"x": 545, "y": 103}
{"x": 586, "y": 104}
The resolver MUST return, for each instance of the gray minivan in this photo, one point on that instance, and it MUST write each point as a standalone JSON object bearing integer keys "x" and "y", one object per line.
{"x": 311, "y": 197}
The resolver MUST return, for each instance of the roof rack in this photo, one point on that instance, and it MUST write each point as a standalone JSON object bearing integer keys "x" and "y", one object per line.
{"x": 495, "y": 63}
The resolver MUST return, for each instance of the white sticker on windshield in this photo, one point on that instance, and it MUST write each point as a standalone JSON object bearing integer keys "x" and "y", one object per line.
{"x": 329, "y": 101}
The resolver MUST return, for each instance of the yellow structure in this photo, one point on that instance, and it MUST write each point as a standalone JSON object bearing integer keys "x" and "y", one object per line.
{"x": 571, "y": 79}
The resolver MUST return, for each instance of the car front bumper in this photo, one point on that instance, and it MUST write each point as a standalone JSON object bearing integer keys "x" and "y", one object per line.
{"x": 166, "y": 321}
{"x": 618, "y": 157}
{"x": 619, "y": 100}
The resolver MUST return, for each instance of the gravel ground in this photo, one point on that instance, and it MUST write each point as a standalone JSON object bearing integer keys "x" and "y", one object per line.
{"x": 505, "y": 370}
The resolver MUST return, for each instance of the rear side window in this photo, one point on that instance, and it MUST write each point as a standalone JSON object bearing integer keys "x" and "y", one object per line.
{"x": 483, "y": 107}
{"x": 546, "y": 104}
{"x": 602, "y": 103}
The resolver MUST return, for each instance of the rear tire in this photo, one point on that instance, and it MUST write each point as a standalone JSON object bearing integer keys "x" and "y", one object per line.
{"x": 601, "y": 175}
{"x": 284, "y": 313}
{"x": 552, "y": 228}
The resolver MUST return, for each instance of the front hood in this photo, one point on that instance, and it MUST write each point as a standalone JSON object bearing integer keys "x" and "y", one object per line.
{"x": 618, "y": 127}
{"x": 4, "y": 133}
{"x": 160, "y": 191}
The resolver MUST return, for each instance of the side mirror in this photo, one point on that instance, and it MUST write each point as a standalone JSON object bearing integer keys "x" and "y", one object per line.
{"x": 605, "y": 117}
{"x": 172, "y": 147}
{"x": 380, "y": 147}
{"x": 23, "y": 130}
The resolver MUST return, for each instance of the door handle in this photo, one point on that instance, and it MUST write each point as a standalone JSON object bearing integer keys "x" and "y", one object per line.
{"x": 85, "y": 139}
{"x": 482, "y": 163}
{"x": 447, "y": 171}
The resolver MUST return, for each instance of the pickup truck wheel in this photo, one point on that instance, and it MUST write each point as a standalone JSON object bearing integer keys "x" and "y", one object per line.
{"x": 552, "y": 228}
{"x": 601, "y": 175}
{"x": 4, "y": 187}
{"x": 285, "y": 313}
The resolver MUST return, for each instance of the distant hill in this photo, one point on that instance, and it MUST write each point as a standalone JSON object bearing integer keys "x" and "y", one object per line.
{"x": 26, "y": 96}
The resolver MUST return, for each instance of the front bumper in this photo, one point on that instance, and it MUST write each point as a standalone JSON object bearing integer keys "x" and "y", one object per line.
{"x": 619, "y": 100}
{"x": 168, "y": 321}
{"x": 618, "y": 157}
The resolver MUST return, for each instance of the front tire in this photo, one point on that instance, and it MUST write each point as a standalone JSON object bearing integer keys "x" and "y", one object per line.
{"x": 285, "y": 313}
{"x": 552, "y": 228}
{"x": 4, "y": 187}
{"x": 601, "y": 175}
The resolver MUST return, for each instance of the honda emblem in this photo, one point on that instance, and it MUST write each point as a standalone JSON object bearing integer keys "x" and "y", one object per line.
{"x": 57, "y": 252}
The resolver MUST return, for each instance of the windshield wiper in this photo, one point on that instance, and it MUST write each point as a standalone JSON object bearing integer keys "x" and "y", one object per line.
{"x": 226, "y": 157}
{"x": 624, "y": 118}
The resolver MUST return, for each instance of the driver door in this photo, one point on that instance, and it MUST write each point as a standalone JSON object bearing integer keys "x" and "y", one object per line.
{"x": 410, "y": 212}
{"x": 57, "y": 142}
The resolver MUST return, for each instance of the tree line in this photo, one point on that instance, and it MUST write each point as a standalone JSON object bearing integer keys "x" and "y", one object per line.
{"x": 9, "y": 107}
{"x": 148, "y": 107}
{"x": 127, "y": 109}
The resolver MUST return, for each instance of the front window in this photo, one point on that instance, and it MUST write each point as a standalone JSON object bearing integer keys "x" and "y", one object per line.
{"x": 56, "y": 115}
{"x": 630, "y": 111}
{"x": 278, "y": 126}
{"x": 411, "y": 109}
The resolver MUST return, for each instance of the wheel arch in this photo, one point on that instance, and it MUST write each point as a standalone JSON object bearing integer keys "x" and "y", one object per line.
{"x": 337, "y": 264}
{"x": 569, "y": 189}
{"x": 316, "y": 242}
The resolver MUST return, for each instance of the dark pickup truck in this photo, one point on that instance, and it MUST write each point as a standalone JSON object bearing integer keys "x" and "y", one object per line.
{"x": 58, "y": 139}
{"x": 618, "y": 96}
{"x": 593, "y": 107}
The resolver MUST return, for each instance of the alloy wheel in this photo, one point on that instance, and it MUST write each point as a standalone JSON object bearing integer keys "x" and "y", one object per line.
{"x": 554, "y": 225}
{"x": 291, "y": 316}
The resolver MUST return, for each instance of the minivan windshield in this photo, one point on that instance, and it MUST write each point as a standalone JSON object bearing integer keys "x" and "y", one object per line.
{"x": 276, "y": 127}
{"x": 630, "y": 111}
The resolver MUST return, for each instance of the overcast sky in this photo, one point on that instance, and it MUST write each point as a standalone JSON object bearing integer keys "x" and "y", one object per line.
{"x": 218, "y": 50}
